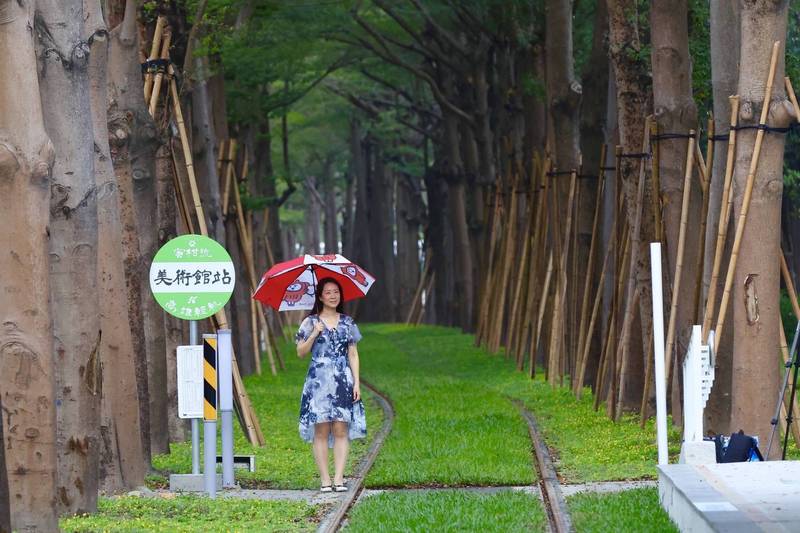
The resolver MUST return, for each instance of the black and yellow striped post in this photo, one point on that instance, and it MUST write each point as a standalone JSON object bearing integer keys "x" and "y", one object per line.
{"x": 210, "y": 414}
{"x": 209, "y": 377}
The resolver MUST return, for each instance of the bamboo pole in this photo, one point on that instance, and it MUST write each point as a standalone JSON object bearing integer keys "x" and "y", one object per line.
{"x": 648, "y": 376}
{"x": 542, "y": 304}
{"x": 748, "y": 192}
{"x": 722, "y": 227}
{"x": 572, "y": 287}
{"x": 514, "y": 326}
{"x": 417, "y": 300}
{"x": 160, "y": 74}
{"x": 154, "y": 49}
{"x": 705, "y": 183}
{"x": 187, "y": 153}
{"x": 792, "y": 97}
{"x": 617, "y": 310}
{"x": 486, "y": 293}
{"x": 676, "y": 282}
{"x": 179, "y": 192}
{"x": 227, "y": 163}
{"x": 622, "y": 350}
{"x": 587, "y": 284}
{"x": 510, "y": 241}
{"x": 602, "y": 366}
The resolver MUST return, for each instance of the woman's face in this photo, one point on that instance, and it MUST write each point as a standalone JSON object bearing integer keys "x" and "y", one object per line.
{"x": 330, "y": 295}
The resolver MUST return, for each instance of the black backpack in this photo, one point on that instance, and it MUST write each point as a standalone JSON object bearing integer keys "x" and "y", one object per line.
{"x": 740, "y": 448}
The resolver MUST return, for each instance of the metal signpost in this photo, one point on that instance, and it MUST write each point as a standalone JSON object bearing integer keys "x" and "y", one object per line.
{"x": 192, "y": 277}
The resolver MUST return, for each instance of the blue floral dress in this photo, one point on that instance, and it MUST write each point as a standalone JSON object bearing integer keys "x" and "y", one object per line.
{"x": 328, "y": 389}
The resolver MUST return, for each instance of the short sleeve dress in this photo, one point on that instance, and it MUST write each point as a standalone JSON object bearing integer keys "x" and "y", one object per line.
{"x": 328, "y": 389}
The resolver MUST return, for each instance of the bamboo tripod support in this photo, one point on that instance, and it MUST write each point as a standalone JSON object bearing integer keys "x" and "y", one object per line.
{"x": 252, "y": 426}
{"x": 486, "y": 293}
{"x": 506, "y": 263}
{"x": 156, "y": 91}
{"x": 748, "y": 192}
{"x": 704, "y": 171}
{"x": 622, "y": 350}
{"x": 154, "y": 50}
{"x": 725, "y": 211}
{"x": 676, "y": 281}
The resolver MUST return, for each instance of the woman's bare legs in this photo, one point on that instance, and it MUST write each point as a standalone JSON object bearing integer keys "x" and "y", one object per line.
{"x": 321, "y": 431}
{"x": 341, "y": 445}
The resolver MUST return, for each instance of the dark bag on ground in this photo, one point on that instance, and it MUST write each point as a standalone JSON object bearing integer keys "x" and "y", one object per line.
{"x": 738, "y": 448}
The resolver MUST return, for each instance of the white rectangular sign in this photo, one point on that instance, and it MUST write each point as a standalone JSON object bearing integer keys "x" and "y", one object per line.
{"x": 225, "y": 369}
{"x": 190, "y": 381}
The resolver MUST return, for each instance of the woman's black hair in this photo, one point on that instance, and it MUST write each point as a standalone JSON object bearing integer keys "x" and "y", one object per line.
{"x": 318, "y": 293}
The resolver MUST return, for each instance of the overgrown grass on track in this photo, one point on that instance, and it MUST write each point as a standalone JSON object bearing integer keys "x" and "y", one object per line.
{"x": 285, "y": 461}
{"x": 450, "y": 428}
{"x": 630, "y": 510}
{"x": 445, "y": 511}
{"x": 192, "y": 513}
{"x": 456, "y": 423}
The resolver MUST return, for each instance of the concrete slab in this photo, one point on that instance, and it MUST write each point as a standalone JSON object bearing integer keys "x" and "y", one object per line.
{"x": 741, "y": 497}
{"x": 190, "y": 482}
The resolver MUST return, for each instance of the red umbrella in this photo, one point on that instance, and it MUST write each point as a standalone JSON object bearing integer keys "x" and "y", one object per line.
{"x": 291, "y": 285}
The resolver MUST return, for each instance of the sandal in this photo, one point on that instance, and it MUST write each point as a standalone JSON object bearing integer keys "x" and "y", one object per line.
{"x": 326, "y": 488}
{"x": 340, "y": 488}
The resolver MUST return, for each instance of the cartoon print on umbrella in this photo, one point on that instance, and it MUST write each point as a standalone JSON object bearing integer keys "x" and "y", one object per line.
{"x": 354, "y": 273}
{"x": 295, "y": 292}
{"x": 327, "y": 258}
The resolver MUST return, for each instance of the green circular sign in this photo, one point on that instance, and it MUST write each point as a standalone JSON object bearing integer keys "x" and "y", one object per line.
{"x": 192, "y": 277}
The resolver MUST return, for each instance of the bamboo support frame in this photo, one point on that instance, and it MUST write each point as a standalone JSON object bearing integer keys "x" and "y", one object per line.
{"x": 156, "y": 90}
{"x": 748, "y": 192}
{"x": 705, "y": 183}
{"x": 154, "y": 49}
{"x": 226, "y": 162}
{"x": 676, "y": 281}
{"x": 510, "y": 238}
{"x": 486, "y": 296}
{"x": 722, "y": 227}
{"x": 622, "y": 350}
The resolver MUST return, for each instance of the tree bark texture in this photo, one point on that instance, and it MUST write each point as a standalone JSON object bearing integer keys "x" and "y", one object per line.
{"x": 26, "y": 372}
{"x": 122, "y": 463}
{"x": 63, "y": 55}
{"x": 755, "y": 297}
{"x": 131, "y": 137}
{"x": 725, "y": 38}
{"x": 632, "y": 88}
{"x": 381, "y": 233}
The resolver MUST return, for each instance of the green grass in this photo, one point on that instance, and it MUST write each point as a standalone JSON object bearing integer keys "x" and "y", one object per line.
{"x": 444, "y": 511}
{"x": 285, "y": 461}
{"x": 450, "y": 427}
{"x": 191, "y": 513}
{"x": 455, "y": 421}
{"x": 632, "y": 510}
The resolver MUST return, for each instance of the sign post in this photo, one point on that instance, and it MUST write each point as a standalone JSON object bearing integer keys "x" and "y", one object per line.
{"x": 192, "y": 277}
{"x": 225, "y": 378}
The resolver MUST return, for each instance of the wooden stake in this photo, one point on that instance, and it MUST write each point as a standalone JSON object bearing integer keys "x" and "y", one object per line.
{"x": 792, "y": 97}
{"x": 154, "y": 48}
{"x": 676, "y": 282}
{"x": 160, "y": 74}
{"x": 648, "y": 377}
{"x": 705, "y": 183}
{"x": 722, "y": 227}
{"x": 748, "y": 192}
{"x": 227, "y": 164}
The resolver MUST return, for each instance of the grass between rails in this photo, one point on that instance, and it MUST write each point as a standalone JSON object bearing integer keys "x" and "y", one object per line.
{"x": 285, "y": 461}
{"x": 192, "y": 513}
{"x": 445, "y": 511}
{"x": 631, "y": 510}
{"x": 456, "y": 425}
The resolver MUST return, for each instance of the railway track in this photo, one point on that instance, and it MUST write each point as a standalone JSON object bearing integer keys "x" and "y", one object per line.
{"x": 334, "y": 521}
{"x": 554, "y": 502}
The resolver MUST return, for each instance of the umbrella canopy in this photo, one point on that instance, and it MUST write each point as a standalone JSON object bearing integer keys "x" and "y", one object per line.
{"x": 291, "y": 285}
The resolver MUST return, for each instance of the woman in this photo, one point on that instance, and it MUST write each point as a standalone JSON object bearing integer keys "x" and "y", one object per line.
{"x": 331, "y": 411}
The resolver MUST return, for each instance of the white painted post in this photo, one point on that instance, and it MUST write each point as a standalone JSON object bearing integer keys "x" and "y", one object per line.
{"x": 194, "y": 341}
{"x": 225, "y": 377}
{"x": 692, "y": 400}
{"x": 658, "y": 351}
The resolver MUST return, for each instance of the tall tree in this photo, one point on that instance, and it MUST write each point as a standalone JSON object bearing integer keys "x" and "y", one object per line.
{"x": 63, "y": 54}
{"x": 755, "y": 297}
{"x": 26, "y": 342}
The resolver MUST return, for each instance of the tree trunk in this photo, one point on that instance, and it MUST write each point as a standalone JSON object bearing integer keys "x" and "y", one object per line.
{"x": 725, "y": 38}
{"x": 755, "y": 297}
{"x": 381, "y": 232}
{"x": 5, "y": 495}
{"x": 409, "y": 218}
{"x": 64, "y": 87}
{"x": 122, "y": 463}
{"x": 131, "y": 136}
{"x": 331, "y": 224}
{"x": 26, "y": 342}
{"x": 362, "y": 246}
{"x": 632, "y": 87}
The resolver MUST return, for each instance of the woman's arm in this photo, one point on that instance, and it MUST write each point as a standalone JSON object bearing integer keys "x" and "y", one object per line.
{"x": 304, "y": 347}
{"x": 352, "y": 355}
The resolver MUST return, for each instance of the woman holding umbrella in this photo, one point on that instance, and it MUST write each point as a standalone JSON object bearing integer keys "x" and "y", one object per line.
{"x": 331, "y": 411}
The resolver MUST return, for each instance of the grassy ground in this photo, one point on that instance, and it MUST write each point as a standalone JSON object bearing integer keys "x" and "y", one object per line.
{"x": 285, "y": 461}
{"x": 451, "y": 393}
{"x": 189, "y": 513}
{"x": 447, "y": 511}
{"x": 632, "y": 510}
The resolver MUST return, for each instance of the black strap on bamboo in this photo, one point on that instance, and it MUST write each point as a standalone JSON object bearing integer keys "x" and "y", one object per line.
{"x": 643, "y": 155}
{"x": 155, "y": 65}
{"x": 723, "y": 137}
{"x": 588, "y": 176}
{"x": 560, "y": 172}
{"x": 667, "y": 136}
{"x": 609, "y": 168}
